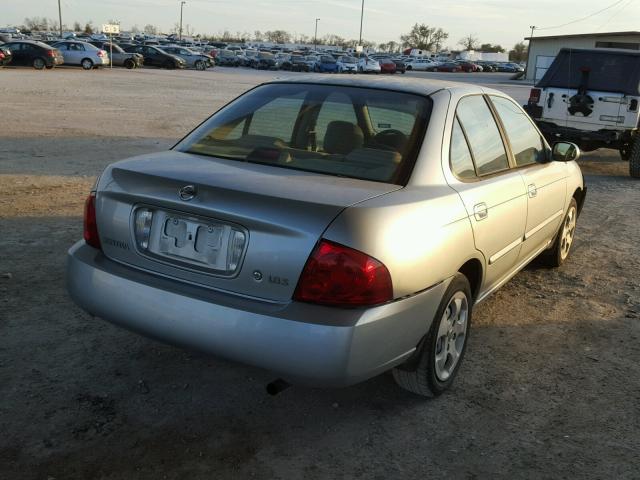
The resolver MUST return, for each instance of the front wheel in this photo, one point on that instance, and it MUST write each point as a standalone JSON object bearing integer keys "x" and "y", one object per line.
{"x": 559, "y": 252}
{"x": 440, "y": 353}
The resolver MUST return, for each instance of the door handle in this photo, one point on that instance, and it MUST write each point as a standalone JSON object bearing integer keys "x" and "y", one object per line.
{"x": 480, "y": 211}
{"x": 533, "y": 191}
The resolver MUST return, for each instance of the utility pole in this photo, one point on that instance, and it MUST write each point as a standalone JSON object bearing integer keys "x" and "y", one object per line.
{"x": 361, "y": 20}
{"x": 526, "y": 68}
{"x": 60, "y": 17}
{"x": 315, "y": 36}
{"x": 181, "y": 6}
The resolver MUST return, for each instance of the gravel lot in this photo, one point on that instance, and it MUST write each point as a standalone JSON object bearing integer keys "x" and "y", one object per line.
{"x": 551, "y": 382}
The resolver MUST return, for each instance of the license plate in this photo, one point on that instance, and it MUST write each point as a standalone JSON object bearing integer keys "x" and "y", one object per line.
{"x": 191, "y": 240}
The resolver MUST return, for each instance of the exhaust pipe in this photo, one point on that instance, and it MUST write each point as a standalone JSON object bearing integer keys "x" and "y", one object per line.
{"x": 277, "y": 386}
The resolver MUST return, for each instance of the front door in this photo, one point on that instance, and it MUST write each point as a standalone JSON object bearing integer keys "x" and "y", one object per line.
{"x": 544, "y": 180}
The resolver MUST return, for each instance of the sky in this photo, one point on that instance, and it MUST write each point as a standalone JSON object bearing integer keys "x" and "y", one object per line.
{"x": 504, "y": 22}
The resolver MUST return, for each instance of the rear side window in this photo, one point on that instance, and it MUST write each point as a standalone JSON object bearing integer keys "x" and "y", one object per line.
{"x": 526, "y": 142}
{"x": 460, "y": 156}
{"x": 484, "y": 137}
{"x": 363, "y": 133}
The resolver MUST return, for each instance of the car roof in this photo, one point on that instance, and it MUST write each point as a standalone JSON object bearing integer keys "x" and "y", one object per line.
{"x": 405, "y": 85}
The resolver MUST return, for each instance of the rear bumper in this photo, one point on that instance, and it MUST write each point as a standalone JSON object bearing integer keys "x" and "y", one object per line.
{"x": 305, "y": 344}
{"x": 603, "y": 138}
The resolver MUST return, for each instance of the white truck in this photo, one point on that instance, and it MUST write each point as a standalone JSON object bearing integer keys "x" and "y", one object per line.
{"x": 590, "y": 97}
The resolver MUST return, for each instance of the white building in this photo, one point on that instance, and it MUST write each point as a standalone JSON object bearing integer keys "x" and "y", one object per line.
{"x": 542, "y": 50}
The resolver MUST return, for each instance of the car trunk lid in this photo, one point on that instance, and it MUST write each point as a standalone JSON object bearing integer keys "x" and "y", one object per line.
{"x": 280, "y": 212}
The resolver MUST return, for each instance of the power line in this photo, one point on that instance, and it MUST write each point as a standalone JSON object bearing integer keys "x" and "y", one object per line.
{"x": 583, "y": 18}
{"x": 615, "y": 14}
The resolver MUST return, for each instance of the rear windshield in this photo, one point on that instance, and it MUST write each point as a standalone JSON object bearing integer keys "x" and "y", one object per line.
{"x": 363, "y": 133}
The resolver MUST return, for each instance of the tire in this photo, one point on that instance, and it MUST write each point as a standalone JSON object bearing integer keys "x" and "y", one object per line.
{"x": 129, "y": 64}
{"x": 559, "y": 252}
{"x": 427, "y": 374}
{"x": 39, "y": 63}
{"x": 86, "y": 64}
{"x": 634, "y": 159}
{"x": 200, "y": 65}
{"x": 409, "y": 68}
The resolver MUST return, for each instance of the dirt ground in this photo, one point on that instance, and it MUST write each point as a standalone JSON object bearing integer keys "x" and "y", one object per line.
{"x": 550, "y": 387}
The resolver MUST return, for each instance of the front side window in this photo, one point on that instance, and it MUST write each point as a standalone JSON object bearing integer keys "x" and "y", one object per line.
{"x": 482, "y": 132}
{"x": 363, "y": 133}
{"x": 526, "y": 143}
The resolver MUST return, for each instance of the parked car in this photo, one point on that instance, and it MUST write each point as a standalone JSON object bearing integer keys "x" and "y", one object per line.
{"x": 192, "y": 59}
{"x": 83, "y": 54}
{"x": 284, "y": 61}
{"x": 592, "y": 97}
{"x": 299, "y": 63}
{"x": 227, "y": 58}
{"x": 37, "y": 54}
{"x": 368, "y": 65}
{"x": 119, "y": 57}
{"x": 420, "y": 64}
{"x": 248, "y": 56}
{"x": 347, "y": 64}
{"x": 447, "y": 67}
{"x": 487, "y": 66}
{"x": 326, "y": 64}
{"x": 387, "y": 65}
{"x": 401, "y": 66}
{"x": 407, "y": 224}
{"x": 5, "y": 56}
{"x": 156, "y": 57}
{"x": 264, "y": 61}
{"x": 509, "y": 67}
{"x": 469, "y": 66}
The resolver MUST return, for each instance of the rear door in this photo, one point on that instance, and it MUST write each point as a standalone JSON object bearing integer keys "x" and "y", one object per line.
{"x": 494, "y": 195}
{"x": 545, "y": 180}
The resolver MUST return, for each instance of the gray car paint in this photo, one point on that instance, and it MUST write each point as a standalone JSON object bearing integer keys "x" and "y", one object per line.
{"x": 423, "y": 233}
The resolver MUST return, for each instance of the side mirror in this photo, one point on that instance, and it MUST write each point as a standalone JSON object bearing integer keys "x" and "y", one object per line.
{"x": 565, "y": 152}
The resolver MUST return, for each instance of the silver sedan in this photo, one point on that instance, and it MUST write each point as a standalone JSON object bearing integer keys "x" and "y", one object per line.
{"x": 330, "y": 230}
{"x": 82, "y": 53}
{"x": 193, "y": 59}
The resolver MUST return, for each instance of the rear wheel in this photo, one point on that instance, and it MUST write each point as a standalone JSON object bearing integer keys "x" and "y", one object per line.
{"x": 442, "y": 349}
{"x": 129, "y": 64}
{"x": 86, "y": 64}
{"x": 200, "y": 65}
{"x": 39, "y": 63}
{"x": 634, "y": 159}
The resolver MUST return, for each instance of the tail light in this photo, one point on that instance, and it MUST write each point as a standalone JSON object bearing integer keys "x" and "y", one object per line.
{"x": 534, "y": 96}
{"x": 101, "y": 53}
{"x": 90, "y": 223}
{"x": 341, "y": 276}
{"x": 51, "y": 53}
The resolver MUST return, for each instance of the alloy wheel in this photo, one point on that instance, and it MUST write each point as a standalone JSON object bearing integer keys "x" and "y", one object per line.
{"x": 568, "y": 231}
{"x": 452, "y": 335}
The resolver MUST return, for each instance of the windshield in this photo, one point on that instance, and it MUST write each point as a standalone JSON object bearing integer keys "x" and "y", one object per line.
{"x": 362, "y": 133}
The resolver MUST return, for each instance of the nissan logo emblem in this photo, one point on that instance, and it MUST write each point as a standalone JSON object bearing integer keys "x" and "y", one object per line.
{"x": 187, "y": 192}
